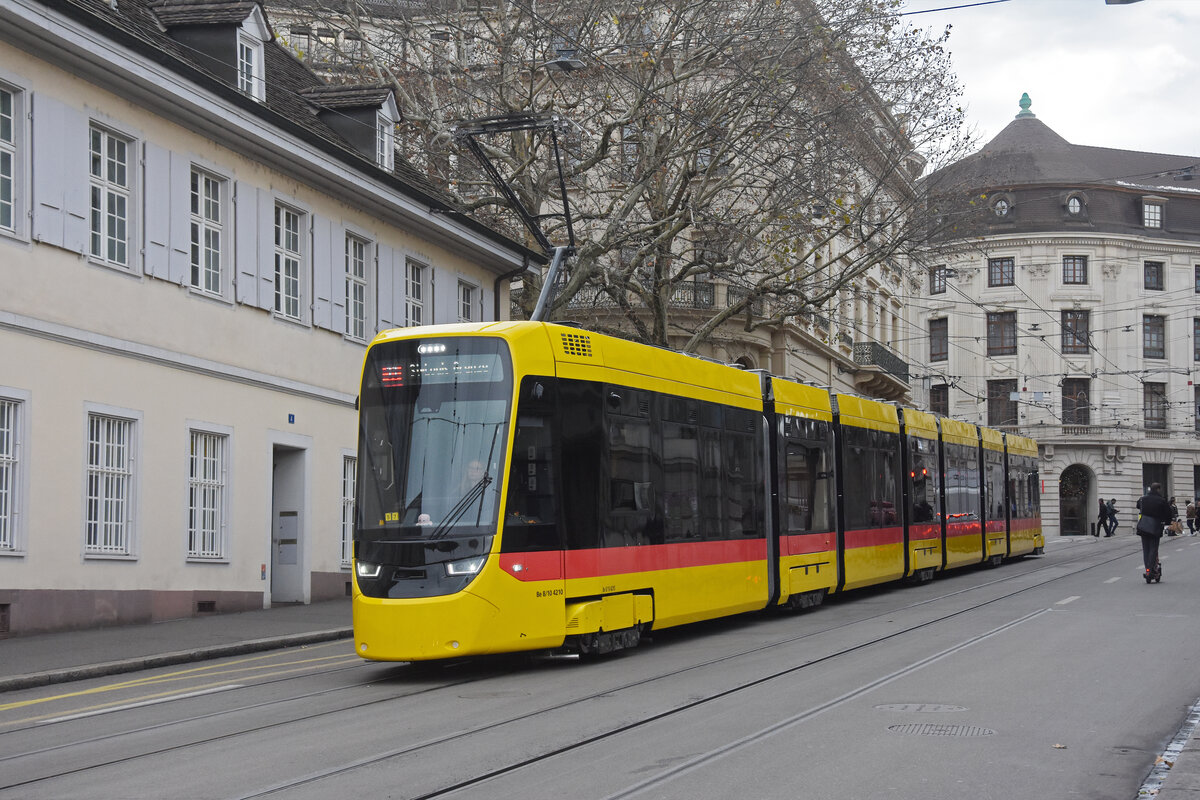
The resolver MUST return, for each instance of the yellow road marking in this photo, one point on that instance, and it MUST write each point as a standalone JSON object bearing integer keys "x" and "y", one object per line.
{"x": 212, "y": 669}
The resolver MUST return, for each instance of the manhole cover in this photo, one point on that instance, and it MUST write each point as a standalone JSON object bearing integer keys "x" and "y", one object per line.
{"x": 927, "y": 708}
{"x": 941, "y": 730}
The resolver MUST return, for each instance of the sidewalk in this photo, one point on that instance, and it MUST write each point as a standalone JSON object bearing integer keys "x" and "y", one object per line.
{"x": 30, "y": 661}
{"x": 40, "y": 660}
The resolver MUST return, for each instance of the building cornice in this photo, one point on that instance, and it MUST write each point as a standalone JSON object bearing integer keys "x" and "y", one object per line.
{"x": 111, "y": 345}
{"x": 979, "y": 245}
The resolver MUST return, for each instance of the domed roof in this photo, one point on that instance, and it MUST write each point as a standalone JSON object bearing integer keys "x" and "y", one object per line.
{"x": 1028, "y": 152}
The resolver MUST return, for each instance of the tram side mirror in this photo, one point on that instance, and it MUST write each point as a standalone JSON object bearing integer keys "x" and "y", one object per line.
{"x": 614, "y": 401}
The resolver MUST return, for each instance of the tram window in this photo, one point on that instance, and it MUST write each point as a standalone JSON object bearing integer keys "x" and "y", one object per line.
{"x": 885, "y": 497}
{"x": 742, "y": 507}
{"x": 632, "y": 502}
{"x": 923, "y": 480}
{"x": 994, "y": 477}
{"x": 581, "y": 422}
{"x": 712, "y": 484}
{"x": 531, "y": 508}
{"x": 806, "y": 483}
{"x": 857, "y": 468}
{"x": 681, "y": 481}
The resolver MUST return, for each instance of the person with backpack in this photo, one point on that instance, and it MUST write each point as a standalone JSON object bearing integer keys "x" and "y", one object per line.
{"x": 1190, "y": 514}
{"x": 1102, "y": 521}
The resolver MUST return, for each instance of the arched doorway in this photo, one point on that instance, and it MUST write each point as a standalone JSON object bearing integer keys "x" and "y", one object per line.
{"x": 1074, "y": 489}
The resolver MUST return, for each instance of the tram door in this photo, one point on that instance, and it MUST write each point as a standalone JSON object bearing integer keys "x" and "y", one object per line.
{"x": 287, "y": 526}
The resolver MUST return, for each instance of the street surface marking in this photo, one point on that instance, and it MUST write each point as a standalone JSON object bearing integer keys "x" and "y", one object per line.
{"x": 153, "y": 702}
{"x": 656, "y": 781}
{"x": 211, "y": 670}
{"x": 1070, "y": 599}
{"x": 1113, "y": 580}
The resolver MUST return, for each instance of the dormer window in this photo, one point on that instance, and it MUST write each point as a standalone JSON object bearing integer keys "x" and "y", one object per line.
{"x": 1152, "y": 212}
{"x": 1002, "y": 206}
{"x": 385, "y": 141}
{"x": 1074, "y": 206}
{"x": 250, "y": 80}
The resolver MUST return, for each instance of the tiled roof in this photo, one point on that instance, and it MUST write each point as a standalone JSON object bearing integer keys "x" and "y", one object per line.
{"x": 142, "y": 24}
{"x": 1028, "y": 152}
{"x": 202, "y": 12}
{"x": 346, "y": 96}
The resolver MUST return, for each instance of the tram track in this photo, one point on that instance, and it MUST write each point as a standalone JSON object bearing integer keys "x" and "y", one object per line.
{"x": 1059, "y": 569}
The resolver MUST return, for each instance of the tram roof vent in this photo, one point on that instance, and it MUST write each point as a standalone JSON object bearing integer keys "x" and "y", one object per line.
{"x": 577, "y": 344}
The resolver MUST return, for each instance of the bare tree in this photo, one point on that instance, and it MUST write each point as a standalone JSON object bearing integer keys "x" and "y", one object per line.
{"x": 728, "y": 162}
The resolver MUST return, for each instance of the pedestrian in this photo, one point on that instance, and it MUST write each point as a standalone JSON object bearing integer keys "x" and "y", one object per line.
{"x": 1190, "y": 512}
{"x": 1173, "y": 529}
{"x": 1102, "y": 520}
{"x": 1156, "y": 512}
{"x": 1112, "y": 517}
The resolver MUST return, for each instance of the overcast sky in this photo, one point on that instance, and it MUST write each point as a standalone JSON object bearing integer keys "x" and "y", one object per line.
{"x": 1123, "y": 76}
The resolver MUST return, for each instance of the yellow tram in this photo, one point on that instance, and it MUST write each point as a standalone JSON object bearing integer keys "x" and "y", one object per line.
{"x": 526, "y": 486}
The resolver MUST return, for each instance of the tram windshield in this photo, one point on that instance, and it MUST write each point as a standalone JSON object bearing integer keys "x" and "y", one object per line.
{"x": 433, "y": 427}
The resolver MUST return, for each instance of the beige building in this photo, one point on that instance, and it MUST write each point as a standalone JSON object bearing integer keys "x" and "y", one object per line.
{"x": 1065, "y": 308}
{"x": 197, "y": 240}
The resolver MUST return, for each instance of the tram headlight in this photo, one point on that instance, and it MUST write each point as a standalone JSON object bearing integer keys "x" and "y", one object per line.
{"x": 366, "y": 569}
{"x": 465, "y": 566}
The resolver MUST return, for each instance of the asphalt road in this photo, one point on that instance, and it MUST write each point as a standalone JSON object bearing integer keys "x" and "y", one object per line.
{"x": 1054, "y": 677}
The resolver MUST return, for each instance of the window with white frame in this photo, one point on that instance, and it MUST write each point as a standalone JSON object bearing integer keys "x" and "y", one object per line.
{"x": 250, "y": 66}
{"x": 385, "y": 142}
{"x": 9, "y": 119}
{"x": 11, "y": 412}
{"x": 111, "y": 197}
{"x": 349, "y": 473}
{"x": 207, "y": 467}
{"x": 108, "y": 523}
{"x": 287, "y": 262}
{"x": 1152, "y": 214}
{"x": 356, "y": 286}
{"x": 414, "y": 301}
{"x": 466, "y": 302}
{"x": 207, "y": 231}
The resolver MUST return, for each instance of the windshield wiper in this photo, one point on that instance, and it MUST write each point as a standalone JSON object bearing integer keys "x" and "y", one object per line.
{"x": 460, "y": 508}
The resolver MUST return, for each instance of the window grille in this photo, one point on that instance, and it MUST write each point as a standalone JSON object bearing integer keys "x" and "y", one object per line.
{"x": 206, "y": 495}
{"x": 109, "y": 496}
{"x": 349, "y": 478}
{"x": 10, "y": 417}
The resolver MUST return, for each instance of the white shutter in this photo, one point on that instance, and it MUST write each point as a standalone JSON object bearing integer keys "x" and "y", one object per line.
{"x": 337, "y": 285}
{"x": 179, "y": 205}
{"x": 158, "y": 220}
{"x": 60, "y": 174}
{"x": 266, "y": 251}
{"x": 246, "y": 242}
{"x": 385, "y": 279}
{"x": 324, "y": 257}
